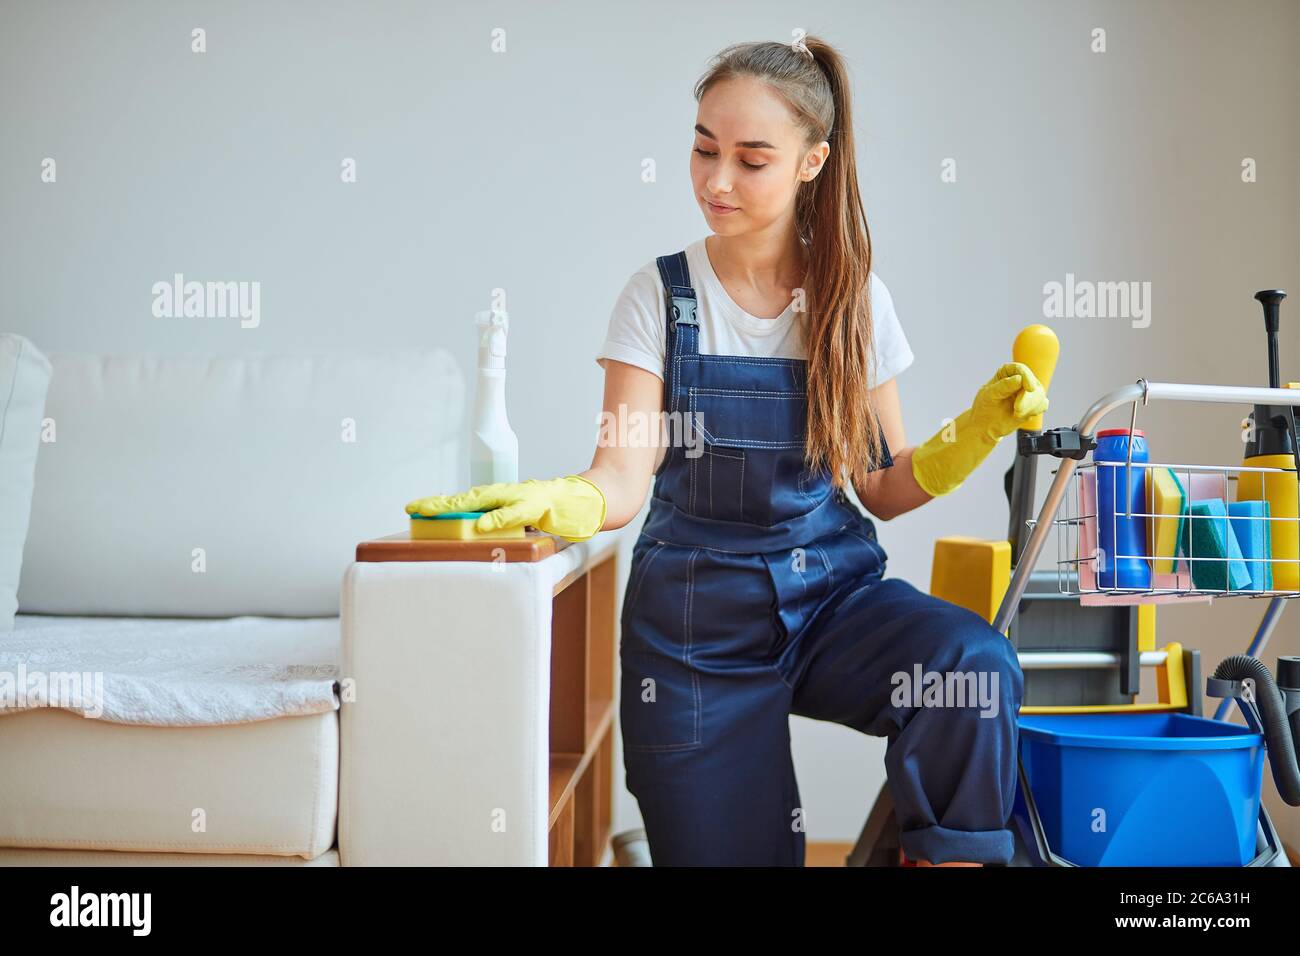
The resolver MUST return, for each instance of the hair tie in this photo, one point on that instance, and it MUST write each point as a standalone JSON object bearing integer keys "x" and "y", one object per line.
{"x": 800, "y": 47}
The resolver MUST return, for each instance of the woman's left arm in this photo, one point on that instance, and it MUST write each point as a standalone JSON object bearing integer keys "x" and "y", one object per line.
{"x": 890, "y": 492}
{"x": 1007, "y": 401}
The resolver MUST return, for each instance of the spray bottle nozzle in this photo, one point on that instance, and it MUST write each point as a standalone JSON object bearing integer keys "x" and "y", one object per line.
{"x": 1270, "y": 428}
{"x": 493, "y": 324}
{"x": 1271, "y": 300}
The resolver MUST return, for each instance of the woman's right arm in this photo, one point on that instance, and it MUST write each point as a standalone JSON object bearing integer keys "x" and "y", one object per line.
{"x": 623, "y": 469}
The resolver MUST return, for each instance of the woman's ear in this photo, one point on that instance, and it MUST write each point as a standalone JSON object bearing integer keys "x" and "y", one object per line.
{"x": 815, "y": 161}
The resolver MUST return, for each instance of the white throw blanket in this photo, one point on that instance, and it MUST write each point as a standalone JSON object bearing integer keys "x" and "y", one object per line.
{"x": 171, "y": 672}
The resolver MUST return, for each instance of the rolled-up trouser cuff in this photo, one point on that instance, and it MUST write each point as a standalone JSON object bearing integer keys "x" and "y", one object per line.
{"x": 940, "y": 845}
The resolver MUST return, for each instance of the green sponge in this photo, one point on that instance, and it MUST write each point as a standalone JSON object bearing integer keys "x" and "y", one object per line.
{"x": 457, "y": 526}
{"x": 1211, "y": 538}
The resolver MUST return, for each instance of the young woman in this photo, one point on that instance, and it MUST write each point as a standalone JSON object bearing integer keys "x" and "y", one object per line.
{"x": 756, "y": 588}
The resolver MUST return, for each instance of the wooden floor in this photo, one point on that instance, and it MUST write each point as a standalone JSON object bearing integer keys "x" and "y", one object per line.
{"x": 827, "y": 854}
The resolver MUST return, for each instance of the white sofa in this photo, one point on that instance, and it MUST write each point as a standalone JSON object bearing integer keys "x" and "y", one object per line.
{"x": 236, "y": 488}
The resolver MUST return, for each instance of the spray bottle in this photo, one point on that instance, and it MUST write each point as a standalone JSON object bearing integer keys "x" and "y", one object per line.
{"x": 1271, "y": 443}
{"x": 494, "y": 448}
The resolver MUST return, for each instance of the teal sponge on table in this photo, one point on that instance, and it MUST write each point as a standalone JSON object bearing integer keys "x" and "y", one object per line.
{"x": 1211, "y": 546}
{"x": 457, "y": 526}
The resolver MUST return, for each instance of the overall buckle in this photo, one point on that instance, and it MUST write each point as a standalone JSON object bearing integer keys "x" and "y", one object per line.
{"x": 683, "y": 304}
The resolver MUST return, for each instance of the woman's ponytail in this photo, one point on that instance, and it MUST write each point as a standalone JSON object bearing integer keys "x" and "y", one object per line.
{"x": 811, "y": 76}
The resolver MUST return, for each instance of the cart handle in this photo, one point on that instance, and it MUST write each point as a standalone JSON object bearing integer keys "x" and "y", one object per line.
{"x": 1145, "y": 392}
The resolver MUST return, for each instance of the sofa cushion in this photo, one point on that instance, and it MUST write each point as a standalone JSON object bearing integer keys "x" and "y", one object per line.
{"x": 24, "y": 379}
{"x": 223, "y": 486}
{"x": 171, "y": 672}
{"x": 265, "y": 787}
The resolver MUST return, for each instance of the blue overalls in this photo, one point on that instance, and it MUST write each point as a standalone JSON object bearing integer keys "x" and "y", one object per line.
{"x": 756, "y": 591}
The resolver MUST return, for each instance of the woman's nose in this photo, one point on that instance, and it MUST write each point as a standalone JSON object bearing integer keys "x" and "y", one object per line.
{"x": 719, "y": 186}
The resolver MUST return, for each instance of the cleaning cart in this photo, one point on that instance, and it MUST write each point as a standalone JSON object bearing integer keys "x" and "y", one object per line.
{"x": 1105, "y": 780}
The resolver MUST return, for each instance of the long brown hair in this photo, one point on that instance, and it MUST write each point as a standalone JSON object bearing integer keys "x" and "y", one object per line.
{"x": 842, "y": 426}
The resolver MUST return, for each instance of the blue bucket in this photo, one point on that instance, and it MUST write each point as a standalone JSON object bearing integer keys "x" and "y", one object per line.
{"x": 1141, "y": 789}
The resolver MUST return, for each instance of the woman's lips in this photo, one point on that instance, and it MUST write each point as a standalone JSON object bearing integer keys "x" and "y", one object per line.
{"x": 720, "y": 210}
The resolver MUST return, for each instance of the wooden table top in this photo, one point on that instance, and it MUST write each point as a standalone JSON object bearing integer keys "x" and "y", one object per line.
{"x": 534, "y": 546}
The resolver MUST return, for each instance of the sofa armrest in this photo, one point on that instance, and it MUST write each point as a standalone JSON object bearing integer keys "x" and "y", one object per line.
{"x": 445, "y": 718}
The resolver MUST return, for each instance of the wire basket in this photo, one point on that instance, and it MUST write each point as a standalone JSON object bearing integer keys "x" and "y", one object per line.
{"x": 1208, "y": 546}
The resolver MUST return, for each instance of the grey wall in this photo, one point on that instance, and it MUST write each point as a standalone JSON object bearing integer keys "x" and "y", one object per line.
{"x": 522, "y": 171}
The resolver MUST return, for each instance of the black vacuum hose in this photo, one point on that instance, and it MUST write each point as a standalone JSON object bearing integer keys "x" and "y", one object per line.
{"x": 1280, "y": 733}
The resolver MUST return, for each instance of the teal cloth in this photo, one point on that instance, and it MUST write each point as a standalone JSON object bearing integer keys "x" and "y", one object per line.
{"x": 1251, "y": 527}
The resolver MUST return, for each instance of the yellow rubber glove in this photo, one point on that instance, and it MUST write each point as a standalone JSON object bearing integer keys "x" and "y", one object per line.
{"x": 1006, "y": 402}
{"x": 571, "y": 507}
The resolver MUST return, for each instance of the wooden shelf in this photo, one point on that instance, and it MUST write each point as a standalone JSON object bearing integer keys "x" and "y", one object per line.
{"x": 582, "y": 717}
{"x": 602, "y": 711}
{"x": 567, "y": 768}
{"x": 564, "y": 774}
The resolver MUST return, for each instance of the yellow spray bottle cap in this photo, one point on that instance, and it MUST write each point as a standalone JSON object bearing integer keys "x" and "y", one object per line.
{"x": 1038, "y": 347}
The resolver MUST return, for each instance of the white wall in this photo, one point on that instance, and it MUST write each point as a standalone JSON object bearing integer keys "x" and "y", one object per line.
{"x": 522, "y": 171}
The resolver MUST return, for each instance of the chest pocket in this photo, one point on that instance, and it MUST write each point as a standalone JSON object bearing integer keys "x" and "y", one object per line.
{"x": 752, "y": 444}
{"x": 749, "y": 418}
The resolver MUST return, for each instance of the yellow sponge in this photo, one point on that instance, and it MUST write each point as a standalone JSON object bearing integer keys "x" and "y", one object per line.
{"x": 972, "y": 573}
{"x": 457, "y": 526}
{"x": 1166, "y": 499}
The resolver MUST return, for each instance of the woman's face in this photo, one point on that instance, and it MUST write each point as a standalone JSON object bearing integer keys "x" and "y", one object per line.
{"x": 748, "y": 158}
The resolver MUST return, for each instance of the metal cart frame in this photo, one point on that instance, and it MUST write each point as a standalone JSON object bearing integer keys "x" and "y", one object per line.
{"x": 877, "y": 844}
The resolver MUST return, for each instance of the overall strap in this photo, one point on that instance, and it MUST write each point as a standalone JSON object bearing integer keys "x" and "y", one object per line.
{"x": 682, "y": 337}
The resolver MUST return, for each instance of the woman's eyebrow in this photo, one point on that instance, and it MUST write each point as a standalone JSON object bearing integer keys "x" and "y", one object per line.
{"x": 743, "y": 144}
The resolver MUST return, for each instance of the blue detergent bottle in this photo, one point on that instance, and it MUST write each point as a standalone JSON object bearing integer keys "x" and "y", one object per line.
{"x": 1120, "y": 493}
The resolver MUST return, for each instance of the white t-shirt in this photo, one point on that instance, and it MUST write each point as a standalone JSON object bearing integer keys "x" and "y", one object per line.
{"x": 637, "y": 325}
